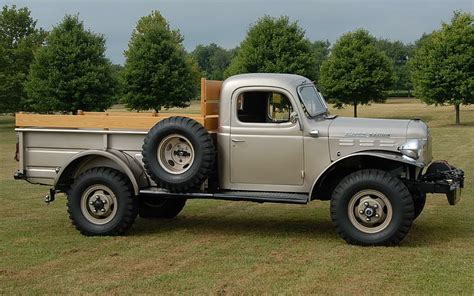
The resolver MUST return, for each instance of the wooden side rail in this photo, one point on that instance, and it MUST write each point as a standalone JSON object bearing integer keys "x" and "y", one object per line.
{"x": 209, "y": 117}
{"x": 210, "y": 95}
{"x": 104, "y": 122}
{"x": 136, "y": 114}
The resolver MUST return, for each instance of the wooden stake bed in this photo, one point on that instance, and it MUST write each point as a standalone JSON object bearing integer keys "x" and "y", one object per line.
{"x": 210, "y": 94}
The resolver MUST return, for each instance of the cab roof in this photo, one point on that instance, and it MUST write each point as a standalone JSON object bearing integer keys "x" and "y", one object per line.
{"x": 287, "y": 81}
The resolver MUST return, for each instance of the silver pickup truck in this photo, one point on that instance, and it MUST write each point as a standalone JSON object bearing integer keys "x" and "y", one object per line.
{"x": 259, "y": 137}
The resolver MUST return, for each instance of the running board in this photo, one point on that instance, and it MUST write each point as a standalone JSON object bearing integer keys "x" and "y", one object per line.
{"x": 276, "y": 197}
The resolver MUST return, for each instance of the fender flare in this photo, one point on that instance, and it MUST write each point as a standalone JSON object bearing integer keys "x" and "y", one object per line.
{"x": 76, "y": 159}
{"x": 375, "y": 153}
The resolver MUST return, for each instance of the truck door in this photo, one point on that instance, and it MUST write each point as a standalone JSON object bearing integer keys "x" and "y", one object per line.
{"x": 266, "y": 147}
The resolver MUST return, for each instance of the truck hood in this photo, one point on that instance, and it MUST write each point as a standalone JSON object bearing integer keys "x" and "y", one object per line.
{"x": 349, "y": 135}
{"x": 368, "y": 128}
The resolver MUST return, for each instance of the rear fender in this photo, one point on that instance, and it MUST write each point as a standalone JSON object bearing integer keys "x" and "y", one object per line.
{"x": 100, "y": 158}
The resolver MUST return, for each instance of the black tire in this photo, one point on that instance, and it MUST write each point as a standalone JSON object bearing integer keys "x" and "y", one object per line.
{"x": 398, "y": 201}
{"x": 152, "y": 207}
{"x": 199, "y": 142}
{"x": 105, "y": 188}
{"x": 419, "y": 201}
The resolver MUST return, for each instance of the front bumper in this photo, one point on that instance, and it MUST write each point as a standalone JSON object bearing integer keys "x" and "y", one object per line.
{"x": 440, "y": 177}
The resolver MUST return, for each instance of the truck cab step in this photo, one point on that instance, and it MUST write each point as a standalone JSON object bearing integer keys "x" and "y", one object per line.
{"x": 255, "y": 196}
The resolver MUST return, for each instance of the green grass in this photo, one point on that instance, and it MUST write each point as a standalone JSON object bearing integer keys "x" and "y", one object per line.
{"x": 217, "y": 247}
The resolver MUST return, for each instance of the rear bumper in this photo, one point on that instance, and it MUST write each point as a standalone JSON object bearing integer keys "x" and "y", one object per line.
{"x": 440, "y": 177}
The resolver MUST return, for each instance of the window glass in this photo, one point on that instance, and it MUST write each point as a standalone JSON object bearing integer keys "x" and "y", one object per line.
{"x": 263, "y": 107}
{"x": 279, "y": 108}
{"x": 312, "y": 101}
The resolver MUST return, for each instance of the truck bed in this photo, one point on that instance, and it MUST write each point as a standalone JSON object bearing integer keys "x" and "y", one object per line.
{"x": 43, "y": 152}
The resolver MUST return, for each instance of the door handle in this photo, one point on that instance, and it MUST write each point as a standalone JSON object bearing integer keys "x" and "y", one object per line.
{"x": 237, "y": 141}
{"x": 314, "y": 133}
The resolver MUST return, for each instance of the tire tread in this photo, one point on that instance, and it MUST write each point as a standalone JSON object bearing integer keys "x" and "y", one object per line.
{"x": 125, "y": 189}
{"x": 383, "y": 177}
{"x": 204, "y": 141}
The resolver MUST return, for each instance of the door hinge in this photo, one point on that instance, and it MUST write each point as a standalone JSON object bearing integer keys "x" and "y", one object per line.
{"x": 302, "y": 174}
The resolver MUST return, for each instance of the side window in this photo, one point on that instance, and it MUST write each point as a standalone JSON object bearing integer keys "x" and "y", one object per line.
{"x": 279, "y": 108}
{"x": 263, "y": 107}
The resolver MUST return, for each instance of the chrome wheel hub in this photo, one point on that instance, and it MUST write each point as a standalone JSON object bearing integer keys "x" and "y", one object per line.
{"x": 370, "y": 211}
{"x": 175, "y": 154}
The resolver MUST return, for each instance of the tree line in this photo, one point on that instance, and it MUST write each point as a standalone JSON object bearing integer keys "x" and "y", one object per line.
{"x": 65, "y": 69}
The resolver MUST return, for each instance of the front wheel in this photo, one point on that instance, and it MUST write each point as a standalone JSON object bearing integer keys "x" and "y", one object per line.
{"x": 101, "y": 202}
{"x": 419, "y": 201}
{"x": 372, "y": 207}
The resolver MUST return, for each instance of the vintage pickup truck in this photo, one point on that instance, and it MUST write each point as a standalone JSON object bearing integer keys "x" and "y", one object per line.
{"x": 259, "y": 137}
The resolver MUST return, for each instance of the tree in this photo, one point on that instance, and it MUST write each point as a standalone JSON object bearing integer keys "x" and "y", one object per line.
{"x": 19, "y": 39}
{"x": 320, "y": 51}
{"x": 71, "y": 72}
{"x": 399, "y": 53}
{"x": 158, "y": 73}
{"x": 274, "y": 45}
{"x": 356, "y": 72}
{"x": 212, "y": 60}
{"x": 443, "y": 66}
{"x": 116, "y": 70}
{"x": 424, "y": 38}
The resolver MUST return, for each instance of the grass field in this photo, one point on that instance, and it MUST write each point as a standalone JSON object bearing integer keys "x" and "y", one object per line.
{"x": 217, "y": 247}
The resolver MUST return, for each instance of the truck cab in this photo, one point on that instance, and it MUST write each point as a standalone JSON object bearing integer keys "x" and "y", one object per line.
{"x": 262, "y": 134}
{"x": 274, "y": 133}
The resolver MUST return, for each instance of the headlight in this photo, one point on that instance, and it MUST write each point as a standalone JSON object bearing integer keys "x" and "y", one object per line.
{"x": 411, "y": 149}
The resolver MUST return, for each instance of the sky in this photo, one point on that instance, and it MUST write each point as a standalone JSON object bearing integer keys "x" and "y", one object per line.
{"x": 225, "y": 22}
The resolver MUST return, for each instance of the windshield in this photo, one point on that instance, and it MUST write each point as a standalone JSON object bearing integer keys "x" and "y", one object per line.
{"x": 312, "y": 100}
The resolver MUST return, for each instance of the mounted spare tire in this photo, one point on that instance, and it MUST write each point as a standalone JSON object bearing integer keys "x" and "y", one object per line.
{"x": 178, "y": 154}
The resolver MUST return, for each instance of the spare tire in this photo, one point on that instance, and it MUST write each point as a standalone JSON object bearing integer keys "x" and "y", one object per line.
{"x": 178, "y": 154}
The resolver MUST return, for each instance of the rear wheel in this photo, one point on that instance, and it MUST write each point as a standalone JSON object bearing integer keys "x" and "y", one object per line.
{"x": 101, "y": 202}
{"x": 150, "y": 207}
{"x": 372, "y": 207}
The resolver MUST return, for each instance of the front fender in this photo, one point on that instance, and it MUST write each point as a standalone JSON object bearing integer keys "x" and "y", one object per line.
{"x": 397, "y": 157}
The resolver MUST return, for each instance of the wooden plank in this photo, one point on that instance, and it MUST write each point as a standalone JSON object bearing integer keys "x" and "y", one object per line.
{"x": 144, "y": 114}
{"x": 83, "y": 121}
{"x": 210, "y": 91}
{"x": 118, "y": 113}
{"x": 211, "y": 122}
{"x": 203, "y": 96}
{"x": 213, "y": 89}
{"x": 212, "y": 108}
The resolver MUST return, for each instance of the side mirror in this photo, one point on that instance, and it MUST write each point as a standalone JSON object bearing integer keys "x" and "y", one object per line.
{"x": 294, "y": 117}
